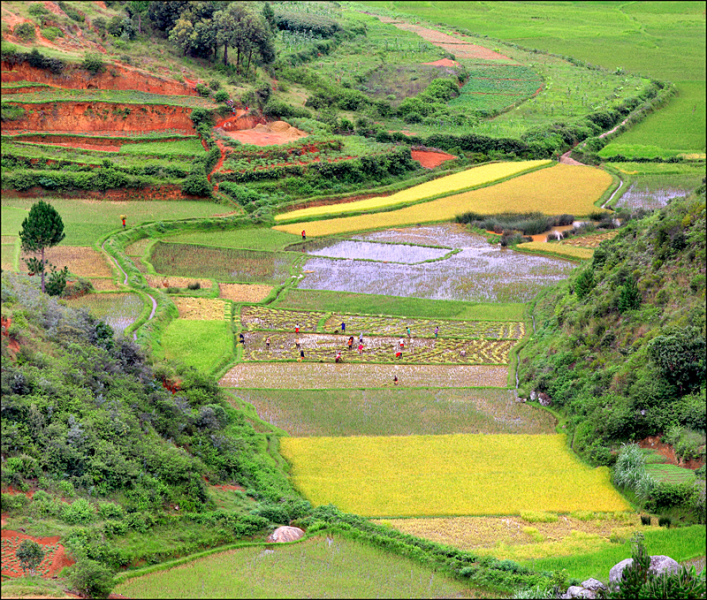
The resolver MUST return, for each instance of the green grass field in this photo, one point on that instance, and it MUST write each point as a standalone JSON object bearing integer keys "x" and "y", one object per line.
{"x": 396, "y": 412}
{"x": 201, "y": 344}
{"x": 348, "y": 302}
{"x": 670, "y": 473}
{"x": 447, "y": 475}
{"x": 260, "y": 238}
{"x": 679, "y": 544}
{"x": 85, "y": 221}
{"x": 316, "y": 568}
{"x": 664, "y": 40}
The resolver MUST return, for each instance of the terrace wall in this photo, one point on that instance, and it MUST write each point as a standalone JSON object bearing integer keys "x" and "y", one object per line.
{"x": 83, "y": 117}
{"x": 162, "y": 192}
{"x": 116, "y": 77}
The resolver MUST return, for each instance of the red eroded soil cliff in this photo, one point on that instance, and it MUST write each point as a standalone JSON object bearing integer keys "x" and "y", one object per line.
{"x": 163, "y": 192}
{"x": 115, "y": 77}
{"x": 83, "y": 117}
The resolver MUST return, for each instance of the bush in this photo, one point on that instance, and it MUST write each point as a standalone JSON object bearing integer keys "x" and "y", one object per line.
{"x": 203, "y": 90}
{"x": 25, "y": 31}
{"x": 37, "y": 10}
{"x": 56, "y": 282}
{"x": 93, "y": 63}
{"x": 72, "y": 13}
{"x": 91, "y": 578}
{"x": 51, "y": 33}
{"x": 30, "y": 555}
{"x": 197, "y": 184}
{"x": 221, "y": 96}
{"x": 79, "y": 511}
{"x": 194, "y": 285}
{"x": 667, "y": 521}
{"x": 215, "y": 84}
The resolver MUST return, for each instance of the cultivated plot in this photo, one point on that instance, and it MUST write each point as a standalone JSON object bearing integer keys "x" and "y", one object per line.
{"x": 590, "y": 241}
{"x": 313, "y": 376}
{"x": 396, "y": 411}
{"x": 81, "y": 261}
{"x": 202, "y": 309}
{"x": 447, "y": 475}
{"x": 571, "y": 251}
{"x": 479, "y": 273}
{"x": 239, "y": 292}
{"x": 321, "y": 567}
{"x": 223, "y": 264}
{"x": 377, "y": 349}
{"x": 560, "y": 189}
{"x": 482, "y": 175}
{"x": 398, "y": 253}
{"x": 261, "y": 317}
{"x": 200, "y": 344}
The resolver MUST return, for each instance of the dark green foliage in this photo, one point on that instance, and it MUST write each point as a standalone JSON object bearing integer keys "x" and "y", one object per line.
{"x": 91, "y": 578}
{"x": 221, "y": 96}
{"x": 635, "y": 575}
{"x": 56, "y": 282}
{"x": 680, "y": 355}
{"x": 35, "y": 58}
{"x": 25, "y": 31}
{"x": 30, "y": 555}
{"x": 307, "y": 22}
{"x": 526, "y": 223}
{"x": 645, "y": 520}
{"x": 203, "y": 90}
{"x": 12, "y": 112}
{"x": 71, "y": 12}
{"x": 665, "y": 521}
{"x": 584, "y": 283}
{"x": 41, "y": 229}
{"x": 278, "y": 109}
{"x": 630, "y": 298}
{"x": 93, "y": 63}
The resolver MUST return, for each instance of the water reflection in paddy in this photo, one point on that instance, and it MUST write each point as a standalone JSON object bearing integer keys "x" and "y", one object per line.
{"x": 481, "y": 272}
{"x": 399, "y": 253}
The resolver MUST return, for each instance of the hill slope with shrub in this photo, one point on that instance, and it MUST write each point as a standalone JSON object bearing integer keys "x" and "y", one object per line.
{"x": 620, "y": 347}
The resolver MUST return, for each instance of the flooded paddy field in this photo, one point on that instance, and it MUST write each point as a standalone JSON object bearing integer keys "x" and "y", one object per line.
{"x": 639, "y": 196}
{"x": 380, "y": 252}
{"x": 480, "y": 272}
{"x": 313, "y": 376}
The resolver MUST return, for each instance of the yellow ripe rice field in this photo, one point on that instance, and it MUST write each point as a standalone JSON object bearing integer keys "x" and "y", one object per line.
{"x": 470, "y": 178}
{"x": 556, "y": 190}
{"x": 561, "y": 249}
{"x": 200, "y": 309}
{"x": 447, "y": 475}
{"x": 590, "y": 241}
{"x": 244, "y": 292}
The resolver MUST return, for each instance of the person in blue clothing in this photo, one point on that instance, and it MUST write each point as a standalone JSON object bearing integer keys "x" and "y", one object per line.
{"x": 343, "y": 327}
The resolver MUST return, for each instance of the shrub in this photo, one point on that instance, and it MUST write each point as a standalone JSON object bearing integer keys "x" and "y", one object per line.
{"x": 194, "y": 285}
{"x": 680, "y": 356}
{"x": 203, "y": 90}
{"x": 93, "y": 63}
{"x": 37, "y": 10}
{"x": 30, "y": 555}
{"x": 56, "y": 282}
{"x": 630, "y": 298}
{"x": 215, "y": 84}
{"x": 645, "y": 520}
{"x": 584, "y": 283}
{"x": 91, "y": 578}
{"x": 79, "y": 511}
{"x": 51, "y": 33}
{"x": 72, "y": 13}
{"x": 221, "y": 96}
{"x": 197, "y": 184}
{"x": 25, "y": 31}
{"x": 108, "y": 510}
{"x": 665, "y": 520}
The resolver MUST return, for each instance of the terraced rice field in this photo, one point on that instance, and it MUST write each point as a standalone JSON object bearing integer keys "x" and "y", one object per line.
{"x": 516, "y": 538}
{"x": 82, "y": 261}
{"x": 479, "y": 273}
{"x": 425, "y": 328}
{"x": 161, "y": 281}
{"x": 222, "y": 264}
{"x": 239, "y": 292}
{"x": 447, "y": 475}
{"x": 376, "y": 349}
{"x": 202, "y": 309}
{"x": 204, "y": 345}
{"x": 552, "y": 191}
{"x": 118, "y": 310}
{"x": 397, "y": 253}
{"x": 401, "y": 412}
{"x": 470, "y": 178}
{"x": 317, "y": 376}
{"x": 569, "y": 250}
{"x": 261, "y": 317}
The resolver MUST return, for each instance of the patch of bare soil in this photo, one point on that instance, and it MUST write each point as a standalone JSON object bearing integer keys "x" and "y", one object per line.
{"x": 654, "y": 443}
{"x": 272, "y": 134}
{"x": 443, "y": 62}
{"x": 430, "y": 160}
{"x": 54, "y": 562}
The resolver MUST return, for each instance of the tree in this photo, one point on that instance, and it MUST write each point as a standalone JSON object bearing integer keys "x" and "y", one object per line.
{"x": 30, "y": 555}
{"x": 91, "y": 578}
{"x": 43, "y": 228}
{"x": 680, "y": 355}
{"x": 584, "y": 283}
{"x": 269, "y": 16}
{"x": 139, "y": 8}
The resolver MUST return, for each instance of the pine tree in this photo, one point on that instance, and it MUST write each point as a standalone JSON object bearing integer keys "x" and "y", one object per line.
{"x": 630, "y": 298}
{"x": 43, "y": 228}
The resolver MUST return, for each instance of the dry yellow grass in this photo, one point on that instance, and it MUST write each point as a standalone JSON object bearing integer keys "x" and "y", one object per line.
{"x": 200, "y": 309}
{"x": 556, "y": 190}
{"x": 240, "y": 292}
{"x": 590, "y": 241}
{"x": 81, "y": 260}
{"x": 459, "y": 181}
{"x": 104, "y": 285}
{"x": 7, "y": 257}
{"x": 569, "y": 251}
{"x": 160, "y": 281}
{"x": 447, "y": 475}
{"x": 518, "y": 539}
